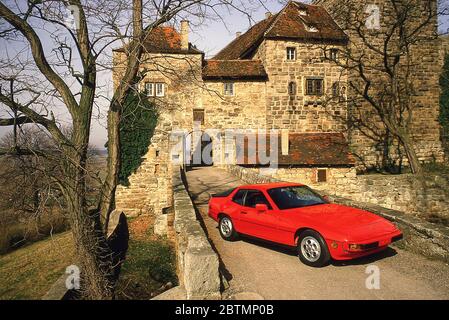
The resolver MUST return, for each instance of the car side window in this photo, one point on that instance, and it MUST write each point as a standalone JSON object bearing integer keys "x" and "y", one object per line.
{"x": 239, "y": 197}
{"x": 255, "y": 197}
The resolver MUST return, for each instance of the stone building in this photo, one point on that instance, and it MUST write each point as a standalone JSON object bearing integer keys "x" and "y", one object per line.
{"x": 376, "y": 18}
{"x": 280, "y": 75}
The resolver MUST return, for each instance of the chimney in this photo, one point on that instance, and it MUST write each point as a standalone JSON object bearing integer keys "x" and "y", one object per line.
{"x": 238, "y": 34}
{"x": 185, "y": 35}
{"x": 268, "y": 15}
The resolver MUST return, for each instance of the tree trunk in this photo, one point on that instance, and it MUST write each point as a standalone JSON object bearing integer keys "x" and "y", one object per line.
{"x": 94, "y": 256}
{"x": 412, "y": 157}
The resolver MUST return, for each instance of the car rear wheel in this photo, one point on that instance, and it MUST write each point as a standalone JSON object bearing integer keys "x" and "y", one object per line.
{"x": 312, "y": 249}
{"x": 227, "y": 230}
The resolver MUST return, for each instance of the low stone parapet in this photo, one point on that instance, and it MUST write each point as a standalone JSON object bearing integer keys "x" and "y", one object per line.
{"x": 198, "y": 264}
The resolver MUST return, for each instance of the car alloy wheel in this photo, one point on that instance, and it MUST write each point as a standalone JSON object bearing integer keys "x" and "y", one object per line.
{"x": 226, "y": 227}
{"x": 311, "y": 249}
{"x": 227, "y": 230}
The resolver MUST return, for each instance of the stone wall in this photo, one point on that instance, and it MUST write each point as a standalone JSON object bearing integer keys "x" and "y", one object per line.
{"x": 149, "y": 189}
{"x": 300, "y": 112}
{"x": 198, "y": 264}
{"x": 366, "y": 140}
{"x": 425, "y": 196}
{"x": 420, "y": 236}
{"x": 245, "y": 110}
{"x": 337, "y": 178}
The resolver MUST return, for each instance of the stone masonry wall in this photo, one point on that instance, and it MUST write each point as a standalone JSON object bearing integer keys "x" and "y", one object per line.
{"x": 336, "y": 177}
{"x": 244, "y": 110}
{"x": 150, "y": 188}
{"x": 426, "y": 61}
{"x": 301, "y": 113}
{"x": 198, "y": 264}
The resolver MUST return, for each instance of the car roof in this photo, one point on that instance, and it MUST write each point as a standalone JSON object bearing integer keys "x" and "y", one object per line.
{"x": 272, "y": 185}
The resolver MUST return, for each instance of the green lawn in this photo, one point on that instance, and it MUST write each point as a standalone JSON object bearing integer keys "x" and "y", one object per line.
{"x": 29, "y": 272}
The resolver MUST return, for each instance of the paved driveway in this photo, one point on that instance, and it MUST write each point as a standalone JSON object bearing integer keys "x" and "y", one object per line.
{"x": 275, "y": 273}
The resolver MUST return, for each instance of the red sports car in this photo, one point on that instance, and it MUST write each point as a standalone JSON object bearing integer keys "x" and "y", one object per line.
{"x": 294, "y": 215}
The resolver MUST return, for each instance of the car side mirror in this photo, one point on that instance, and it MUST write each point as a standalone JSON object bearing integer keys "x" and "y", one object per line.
{"x": 261, "y": 208}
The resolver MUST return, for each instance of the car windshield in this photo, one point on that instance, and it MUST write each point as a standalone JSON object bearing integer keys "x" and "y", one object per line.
{"x": 295, "y": 197}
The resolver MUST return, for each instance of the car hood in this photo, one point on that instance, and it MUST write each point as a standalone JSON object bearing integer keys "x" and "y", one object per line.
{"x": 351, "y": 223}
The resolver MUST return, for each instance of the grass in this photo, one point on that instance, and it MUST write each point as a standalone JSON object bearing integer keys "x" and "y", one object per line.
{"x": 149, "y": 269}
{"x": 29, "y": 272}
{"x": 150, "y": 266}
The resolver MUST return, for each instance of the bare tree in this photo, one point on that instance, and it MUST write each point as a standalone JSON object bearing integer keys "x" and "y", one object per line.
{"x": 37, "y": 90}
{"x": 383, "y": 61}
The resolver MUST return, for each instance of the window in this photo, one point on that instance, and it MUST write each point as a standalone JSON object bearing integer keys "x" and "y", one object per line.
{"x": 333, "y": 54}
{"x": 149, "y": 89}
{"x": 155, "y": 89}
{"x": 229, "y": 89}
{"x": 292, "y": 88}
{"x": 291, "y": 54}
{"x": 160, "y": 89}
{"x": 198, "y": 116}
{"x": 314, "y": 87}
{"x": 336, "y": 90}
{"x": 254, "y": 197}
{"x": 239, "y": 197}
{"x": 321, "y": 175}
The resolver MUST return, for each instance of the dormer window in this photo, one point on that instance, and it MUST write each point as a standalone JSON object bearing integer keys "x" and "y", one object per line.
{"x": 291, "y": 54}
{"x": 310, "y": 28}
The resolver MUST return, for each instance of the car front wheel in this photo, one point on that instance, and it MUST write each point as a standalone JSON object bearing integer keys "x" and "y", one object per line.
{"x": 227, "y": 230}
{"x": 312, "y": 249}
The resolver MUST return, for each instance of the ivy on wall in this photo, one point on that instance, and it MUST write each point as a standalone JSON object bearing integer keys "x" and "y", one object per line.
{"x": 137, "y": 126}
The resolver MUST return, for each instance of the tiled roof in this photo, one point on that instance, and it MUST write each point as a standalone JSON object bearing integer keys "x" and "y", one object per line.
{"x": 308, "y": 149}
{"x": 234, "y": 69}
{"x": 296, "y": 21}
{"x": 238, "y": 48}
{"x": 165, "y": 39}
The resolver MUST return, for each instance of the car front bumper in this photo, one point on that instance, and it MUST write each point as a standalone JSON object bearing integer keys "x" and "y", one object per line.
{"x": 341, "y": 251}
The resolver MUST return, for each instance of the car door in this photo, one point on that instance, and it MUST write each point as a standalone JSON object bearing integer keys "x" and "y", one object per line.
{"x": 258, "y": 224}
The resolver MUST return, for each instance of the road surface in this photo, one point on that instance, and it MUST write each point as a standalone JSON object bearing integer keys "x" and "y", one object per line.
{"x": 256, "y": 269}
